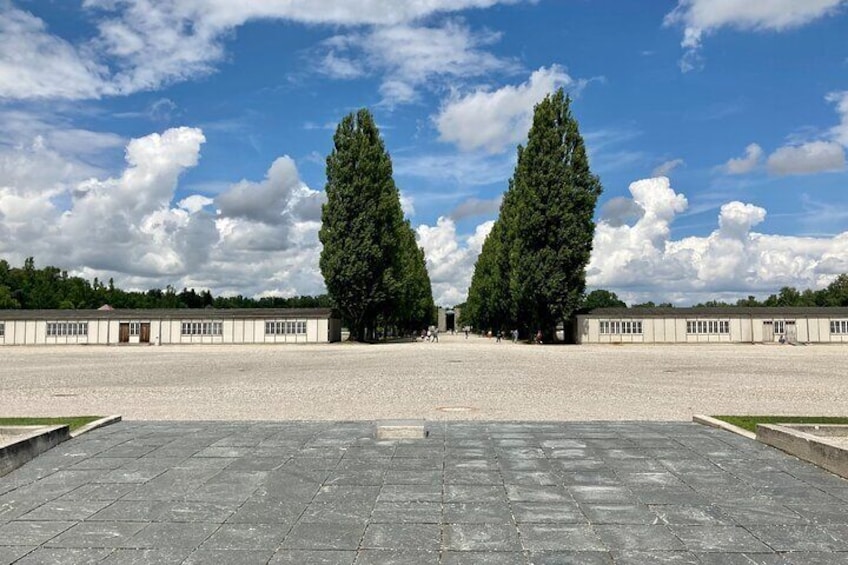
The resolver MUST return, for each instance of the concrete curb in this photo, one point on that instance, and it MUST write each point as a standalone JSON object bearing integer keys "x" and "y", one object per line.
{"x": 721, "y": 424}
{"x": 96, "y": 424}
{"x": 25, "y": 447}
{"x": 816, "y": 449}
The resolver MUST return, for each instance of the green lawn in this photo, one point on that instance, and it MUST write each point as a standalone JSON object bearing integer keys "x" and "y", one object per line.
{"x": 73, "y": 421}
{"x": 750, "y": 422}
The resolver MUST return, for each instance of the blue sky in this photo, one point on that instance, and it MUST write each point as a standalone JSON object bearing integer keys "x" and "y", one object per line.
{"x": 183, "y": 142}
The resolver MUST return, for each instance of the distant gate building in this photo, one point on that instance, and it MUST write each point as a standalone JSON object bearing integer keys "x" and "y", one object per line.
{"x": 448, "y": 319}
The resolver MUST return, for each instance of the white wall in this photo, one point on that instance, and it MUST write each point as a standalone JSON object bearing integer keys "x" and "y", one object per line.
{"x": 31, "y": 332}
{"x": 743, "y": 329}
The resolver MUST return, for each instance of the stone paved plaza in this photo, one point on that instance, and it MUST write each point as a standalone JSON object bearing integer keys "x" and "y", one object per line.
{"x": 470, "y": 493}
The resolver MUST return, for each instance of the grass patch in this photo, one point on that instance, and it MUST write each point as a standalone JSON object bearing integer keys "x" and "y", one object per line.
{"x": 73, "y": 421}
{"x": 750, "y": 422}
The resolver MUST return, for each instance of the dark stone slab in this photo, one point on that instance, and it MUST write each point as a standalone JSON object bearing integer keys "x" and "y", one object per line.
{"x": 97, "y": 534}
{"x": 230, "y": 557}
{"x": 570, "y": 558}
{"x": 419, "y": 537}
{"x": 325, "y": 535}
{"x": 480, "y": 537}
{"x": 245, "y": 537}
{"x": 643, "y": 538}
{"x": 636, "y": 557}
{"x": 620, "y": 514}
{"x": 407, "y": 512}
{"x": 58, "y": 556}
{"x": 145, "y": 556}
{"x": 35, "y": 532}
{"x": 560, "y": 537}
{"x": 548, "y": 512}
{"x": 716, "y": 539}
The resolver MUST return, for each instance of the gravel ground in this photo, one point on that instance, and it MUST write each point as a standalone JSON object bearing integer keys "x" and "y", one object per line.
{"x": 458, "y": 379}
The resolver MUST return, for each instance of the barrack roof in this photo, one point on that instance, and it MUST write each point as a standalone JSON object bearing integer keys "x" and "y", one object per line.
{"x": 724, "y": 311}
{"x": 169, "y": 314}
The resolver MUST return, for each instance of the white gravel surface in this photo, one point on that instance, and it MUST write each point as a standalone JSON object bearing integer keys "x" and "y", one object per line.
{"x": 454, "y": 379}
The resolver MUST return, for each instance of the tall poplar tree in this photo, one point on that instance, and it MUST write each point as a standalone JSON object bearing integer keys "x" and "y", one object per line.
{"x": 361, "y": 259}
{"x": 414, "y": 308}
{"x": 544, "y": 240}
{"x": 553, "y": 230}
{"x": 489, "y": 303}
{"x": 372, "y": 265}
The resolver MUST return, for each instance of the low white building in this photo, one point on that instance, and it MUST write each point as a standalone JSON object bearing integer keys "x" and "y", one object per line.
{"x": 713, "y": 325}
{"x": 106, "y": 327}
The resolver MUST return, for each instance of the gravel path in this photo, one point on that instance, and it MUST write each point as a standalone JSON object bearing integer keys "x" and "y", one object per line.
{"x": 474, "y": 379}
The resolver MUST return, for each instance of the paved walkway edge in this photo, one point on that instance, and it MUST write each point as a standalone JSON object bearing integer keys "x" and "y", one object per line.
{"x": 27, "y": 447}
{"x": 716, "y": 423}
{"x": 815, "y": 449}
{"x": 96, "y": 424}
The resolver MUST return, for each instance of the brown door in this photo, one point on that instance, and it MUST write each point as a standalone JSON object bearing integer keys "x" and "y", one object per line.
{"x": 144, "y": 336}
{"x": 124, "y": 333}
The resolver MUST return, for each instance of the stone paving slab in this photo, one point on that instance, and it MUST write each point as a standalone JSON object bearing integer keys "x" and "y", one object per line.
{"x": 469, "y": 493}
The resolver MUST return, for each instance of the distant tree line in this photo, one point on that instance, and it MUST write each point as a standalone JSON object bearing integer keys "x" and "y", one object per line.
{"x": 29, "y": 288}
{"x": 835, "y": 294}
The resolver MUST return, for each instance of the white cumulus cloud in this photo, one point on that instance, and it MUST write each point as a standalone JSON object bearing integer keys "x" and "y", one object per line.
{"x": 494, "y": 120}
{"x": 36, "y": 64}
{"x": 703, "y": 17}
{"x": 642, "y": 261}
{"x": 665, "y": 169}
{"x": 411, "y": 56}
{"x": 450, "y": 258}
{"x": 746, "y": 164}
{"x": 264, "y": 235}
{"x": 839, "y": 132}
{"x": 144, "y": 44}
{"x": 807, "y": 158}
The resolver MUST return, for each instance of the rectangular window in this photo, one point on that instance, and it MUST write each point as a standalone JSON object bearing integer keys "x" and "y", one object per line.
{"x": 202, "y": 328}
{"x": 606, "y": 327}
{"x": 277, "y": 327}
{"x": 839, "y": 327}
{"x": 2, "y": 329}
{"x": 135, "y": 328}
{"x": 779, "y": 327}
{"x": 707, "y": 327}
{"x": 55, "y": 329}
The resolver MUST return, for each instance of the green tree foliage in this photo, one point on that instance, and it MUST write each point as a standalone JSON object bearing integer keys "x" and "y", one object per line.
{"x": 489, "y": 305}
{"x": 50, "y": 288}
{"x": 414, "y": 305}
{"x": 371, "y": 266}
{"x": 543, "y": 239}
{"x": 602, "y": 299}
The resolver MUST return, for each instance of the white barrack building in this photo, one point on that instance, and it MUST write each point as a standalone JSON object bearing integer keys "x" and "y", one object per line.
{"x": 713, "y": 325}
{"x": 106, "y": 326}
